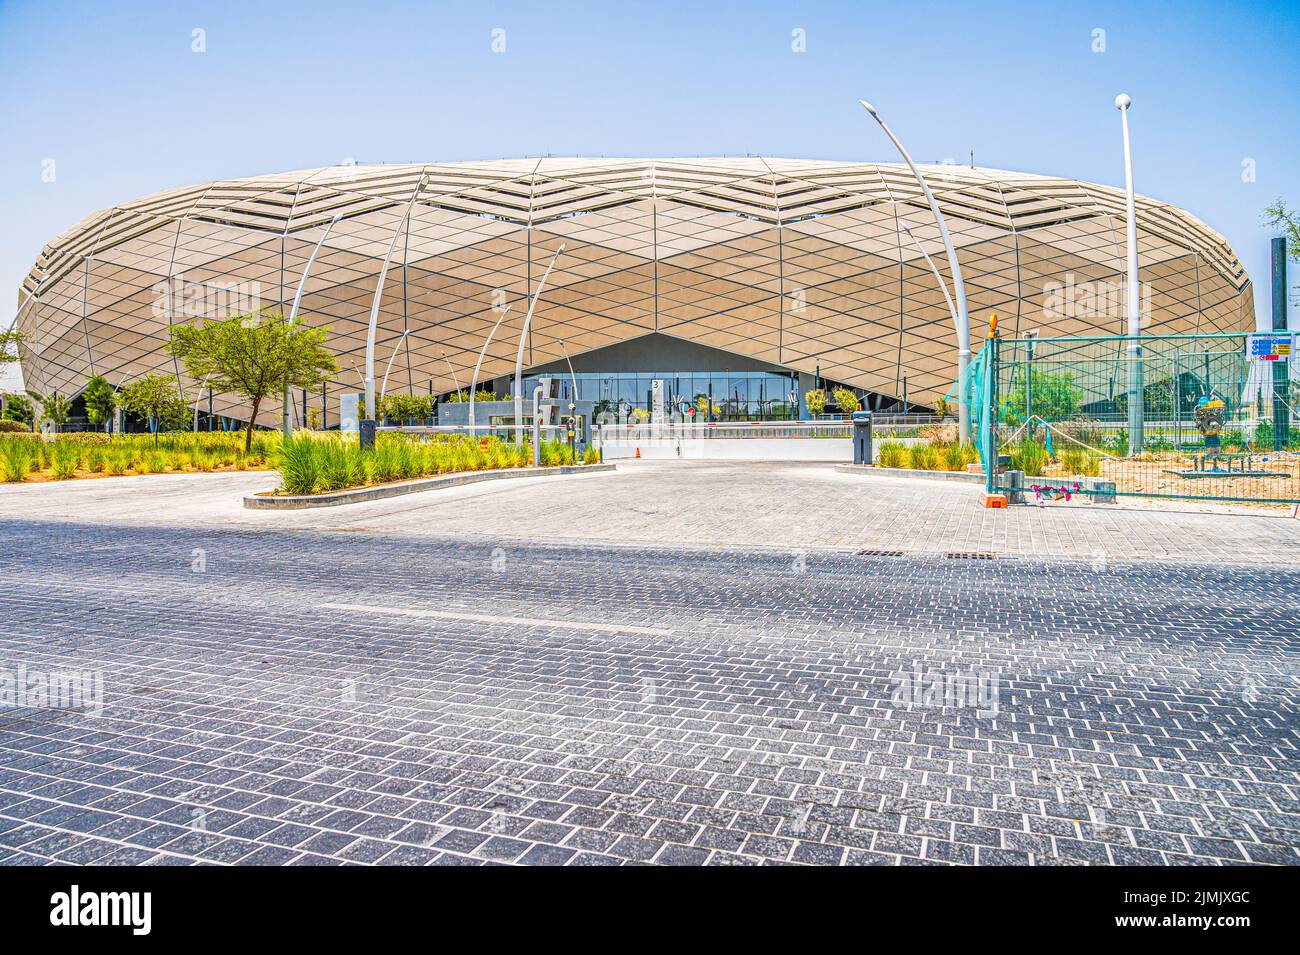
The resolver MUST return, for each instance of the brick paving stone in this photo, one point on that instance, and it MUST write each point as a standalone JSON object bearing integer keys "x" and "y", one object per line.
{"x": 593, "y": 704}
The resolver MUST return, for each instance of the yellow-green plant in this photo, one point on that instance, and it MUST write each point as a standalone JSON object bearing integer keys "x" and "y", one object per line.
{"x": 17, "y": 458}
{"x": 957, "y": 455}
{"x": 1029, "y": 456}
{"x": 892, "y": 454}
{"x": 923, "y": 457}
{"x": 64, "y": 461}
{"x": 846, "y": 400}
{"x": 1077, "y": 462}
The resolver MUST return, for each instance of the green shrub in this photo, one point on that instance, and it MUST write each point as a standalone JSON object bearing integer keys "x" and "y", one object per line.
{"x": 846, "y": 400}
{"x": 299, "y": 465}
{"x": 383, "y": 464}
{"x": 316, "y": 464}
{"x": 923, "y": 457}
{"x": 957, "y": 455}
{"x": 892, "y": 454}
{"x": 17, "y": 458}
{"x": 1029, "y": 456}
{"x": 64, "y": 461}
{"x": 1078, "y": 462}
{"x": 13, "y": 427}
{"x": 117, "y": 462}
{"x": 152, "y": 462}
{"x": 591, "y": 455}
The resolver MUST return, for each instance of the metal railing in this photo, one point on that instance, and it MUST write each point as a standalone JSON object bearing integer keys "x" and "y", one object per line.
{"x": 886, "y": 425}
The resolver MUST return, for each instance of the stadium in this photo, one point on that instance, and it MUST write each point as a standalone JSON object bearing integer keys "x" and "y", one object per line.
{"x": 751, "y": 280}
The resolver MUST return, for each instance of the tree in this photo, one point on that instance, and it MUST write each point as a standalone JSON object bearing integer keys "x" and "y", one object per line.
{"x": 19, "y": 408}
{"x": 54, "y": 408}
{"x": 98, "y": 398}
{"x": 815, "y": 401}
{"x": 846, "y": 400}
{"x": 1055, "y": 396}
{"x": 405, "y": 407}
{"x": 254, "y": 355}
{"x": 10, "y": 339}
{"x": 156, "y": 399}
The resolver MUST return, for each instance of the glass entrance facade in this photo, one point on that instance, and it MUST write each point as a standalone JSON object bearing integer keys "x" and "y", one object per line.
{"x": 735, "y": 395}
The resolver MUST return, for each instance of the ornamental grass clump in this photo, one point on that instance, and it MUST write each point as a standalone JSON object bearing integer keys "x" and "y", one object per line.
{"x": 1030, "y": 457}
{"x": 956, "y": 455}
{"x": 315, "y": 463}
{"x": 1078, "y": 462}
{"x": 923, "y": 457}
{"x": 17, "y": 458}
{"x": 152, "y": 462}
{"x": 299, "y": 465}
{"x": 117, "y": 462}
{"x": 64, "y": 461}
{"x": 893, "y": 454}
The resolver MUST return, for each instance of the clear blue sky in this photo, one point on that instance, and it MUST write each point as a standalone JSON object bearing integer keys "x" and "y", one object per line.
{"x": 112, "y": 92}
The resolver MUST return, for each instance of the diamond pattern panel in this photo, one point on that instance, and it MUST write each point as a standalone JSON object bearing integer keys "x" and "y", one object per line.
{"x": 797, "y": 262}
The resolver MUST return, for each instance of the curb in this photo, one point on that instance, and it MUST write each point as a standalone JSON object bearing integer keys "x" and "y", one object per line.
{"x": 959, "y": 476}
{"x": 358, "y": 495}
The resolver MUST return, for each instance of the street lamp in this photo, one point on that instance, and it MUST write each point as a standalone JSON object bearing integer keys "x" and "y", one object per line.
{"x": 1135, "y": 387}
{"x": 383, "y": 389}
{"x": 454, "y": 379}
{"x": 943, "y": 287}
{"x": 293, "y": 318}
{"x": 574, "y": 377}
{"x": 374, "y": 306}
{"x": 519, "y": 356}
{"x": 961, "y": 317}
{"x": 473, "y": 384}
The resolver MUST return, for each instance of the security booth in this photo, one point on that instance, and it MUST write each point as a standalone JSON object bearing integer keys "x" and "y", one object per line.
{"x": 862, "y": 453}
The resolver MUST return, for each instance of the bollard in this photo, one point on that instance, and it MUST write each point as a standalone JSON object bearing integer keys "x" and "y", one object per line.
{"x": 366, "y": 427}
{"x": 862, "y": 437}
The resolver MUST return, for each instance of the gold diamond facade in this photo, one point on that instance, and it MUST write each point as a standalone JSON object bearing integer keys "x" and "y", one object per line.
{"x": 797, "y": 263}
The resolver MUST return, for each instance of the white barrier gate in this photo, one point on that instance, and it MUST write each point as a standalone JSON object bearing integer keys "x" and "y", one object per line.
{"x": 829, "y": 440}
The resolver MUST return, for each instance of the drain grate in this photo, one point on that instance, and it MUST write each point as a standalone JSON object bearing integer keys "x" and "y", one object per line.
{"x": 877, "y": 552}
{"x": 971, "y": 555}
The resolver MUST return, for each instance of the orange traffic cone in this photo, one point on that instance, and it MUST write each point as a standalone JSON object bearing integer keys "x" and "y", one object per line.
{"x": 638, "y": 454}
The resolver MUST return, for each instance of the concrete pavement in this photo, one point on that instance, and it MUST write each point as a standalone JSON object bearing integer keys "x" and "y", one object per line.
{"x": 786, "y": 505}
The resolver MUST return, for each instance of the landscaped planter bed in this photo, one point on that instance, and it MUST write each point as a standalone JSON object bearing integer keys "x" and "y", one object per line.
{"x": 378, "y": 492}
{"x": 963, "y": 476}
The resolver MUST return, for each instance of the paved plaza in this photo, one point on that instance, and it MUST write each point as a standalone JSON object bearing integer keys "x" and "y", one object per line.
{"x": 564, "y": 672}
{"x": 786, "y": 505}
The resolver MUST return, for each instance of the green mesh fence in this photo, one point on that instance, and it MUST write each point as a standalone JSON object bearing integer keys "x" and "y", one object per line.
{"x": 1183, "y": 416}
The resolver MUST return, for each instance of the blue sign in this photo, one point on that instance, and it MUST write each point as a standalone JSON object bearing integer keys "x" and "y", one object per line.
{"x": 1276, "y": 347}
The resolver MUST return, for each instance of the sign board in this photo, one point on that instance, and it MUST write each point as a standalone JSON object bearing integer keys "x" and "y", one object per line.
{"x": 1272, "y": 346}
{"x": 349, "y": 405}
{"x": 657, "y": 401}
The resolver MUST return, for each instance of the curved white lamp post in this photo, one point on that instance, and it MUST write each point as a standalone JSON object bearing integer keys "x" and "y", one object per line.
{"x": 1133, "y": 298}
{"x": 293, "y": 319}
{"x": 383, "y": 388}
{"x": 943, "y": 286}
{"x": 473, "y": 384}
{"x": 961, "y": 316}
{"x": 565, "y": 349}
{"x": 519, "y": 356}
{"x": 454, "y": 379}
{"x": 374, "y": 307}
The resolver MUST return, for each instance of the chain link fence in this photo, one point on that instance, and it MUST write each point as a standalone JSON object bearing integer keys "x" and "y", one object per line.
{"x": 1173, "y": 416}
